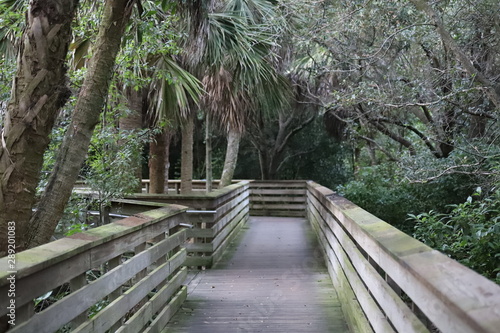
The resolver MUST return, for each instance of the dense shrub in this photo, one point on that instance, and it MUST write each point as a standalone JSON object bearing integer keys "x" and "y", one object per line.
{"x": 470, "y": 233}
{"x": 383, "y": 191}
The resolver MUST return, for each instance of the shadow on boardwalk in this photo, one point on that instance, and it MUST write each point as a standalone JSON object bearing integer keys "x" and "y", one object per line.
{"x": 272, "y": 279}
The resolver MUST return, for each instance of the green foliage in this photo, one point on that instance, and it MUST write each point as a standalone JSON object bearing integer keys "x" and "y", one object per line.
{"x": 383, "y": 191}
{"x": 11, "y": 26}
{"x": 76, "y": 228}
{"x": 312, "y": 154}
{"x": 470, "y": 233}
{"x": 149, "y": 37}
{"x": 112, "y": 161}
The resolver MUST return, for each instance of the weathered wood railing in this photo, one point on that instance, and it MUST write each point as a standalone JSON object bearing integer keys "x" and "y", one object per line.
{"x": 174, "y": 185}
{"x": 136, "y": 270}
{"x": 390, "y": 282}
{"x": 216, "y": 217}
{"x": 278, "y": 198}
{"x": 387, "y": 281}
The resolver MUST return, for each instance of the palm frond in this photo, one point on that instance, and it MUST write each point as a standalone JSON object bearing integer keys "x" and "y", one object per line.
{"x": 240, "y": 78}
{"x": 11, "y": 24}
{"x": 172, "y": 95}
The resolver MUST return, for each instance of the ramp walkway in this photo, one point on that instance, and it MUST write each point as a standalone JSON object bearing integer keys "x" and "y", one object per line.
{"x": 271, "y": 279}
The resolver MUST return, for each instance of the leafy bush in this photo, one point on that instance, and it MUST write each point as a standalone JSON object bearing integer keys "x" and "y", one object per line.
{"x": 470, "y": 233}
{"x": 385, "y": 192}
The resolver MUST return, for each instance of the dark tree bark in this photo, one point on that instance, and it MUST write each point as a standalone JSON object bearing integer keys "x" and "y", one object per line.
{"x": 40, "y": 89}
{"x": 157, "y": 163}
{"x": 187, "y": 156}
{"x": 208, "y": 153}
{"x": 133, "y": 122}
{"x": 169, "y": 135}
{"x": 85, "y": 117}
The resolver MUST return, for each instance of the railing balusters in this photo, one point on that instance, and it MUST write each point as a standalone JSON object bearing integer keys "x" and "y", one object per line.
{"x": 75, "y": 284}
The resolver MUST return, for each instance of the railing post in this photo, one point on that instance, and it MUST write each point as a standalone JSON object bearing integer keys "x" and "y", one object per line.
{"x": 75, "y": 284}
{"x": 115, "y": 262}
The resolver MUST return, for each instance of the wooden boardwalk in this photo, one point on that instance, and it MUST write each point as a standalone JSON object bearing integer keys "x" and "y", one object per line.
{"x": 272, "y": 279}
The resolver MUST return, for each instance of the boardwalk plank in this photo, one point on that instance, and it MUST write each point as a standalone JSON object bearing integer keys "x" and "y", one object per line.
{"x": 272, "y": 280}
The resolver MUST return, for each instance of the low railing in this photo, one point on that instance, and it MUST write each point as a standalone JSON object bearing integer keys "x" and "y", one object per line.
{"x": 278, "y": 198}
{"x": 125, "y": 276}
{"x": 390, "y": 282}
{"x": 216, "y": 218}
{"x": 174, "y": 185}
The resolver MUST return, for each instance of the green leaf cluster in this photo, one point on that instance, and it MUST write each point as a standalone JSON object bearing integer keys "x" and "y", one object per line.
{"x": 470, "y": 233}
{"x": 384, "y": 191}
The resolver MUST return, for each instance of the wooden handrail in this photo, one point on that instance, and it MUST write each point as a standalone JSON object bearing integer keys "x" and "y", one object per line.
{"x": 399, "y": 284}
{"x": 138, "y": 266}
{"x": 387, "y": 281}
{"x": 212, "y": 232}
{"x": 278, "y": 198}
{"x": 197, "y": 184}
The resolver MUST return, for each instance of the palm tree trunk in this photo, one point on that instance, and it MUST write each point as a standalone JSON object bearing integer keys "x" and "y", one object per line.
{"x": 169, "y": 134}
{"x": 208, "y": 155}
{"x": 85, "y": 117}
{"x": 39, "y": 91}
{"x": 157, "y": 163}
{"x": 233, "y": 146}
{"x": 133, "y": 122}
{"x": 187, "y": 156}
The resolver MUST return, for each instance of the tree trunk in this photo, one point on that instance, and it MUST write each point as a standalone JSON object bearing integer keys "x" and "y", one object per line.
{"x": 263, "y": 162}
{"x": 157, "y": 163}
{"x": 187, "y": 156}
{"x": 169, "y": 134}
{"x": 208, "y": 154}
{"x": 233, "y": 146}
{"x": 133, "y": 122}
{"x": 85, "y": 117}
{"x": 39, "y": 91}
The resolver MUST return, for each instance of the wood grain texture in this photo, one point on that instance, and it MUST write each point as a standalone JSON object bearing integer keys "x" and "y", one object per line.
{"x": 452, "y": 297}
{"x": 273, "y": 280}
{"x": 362, "y": 276}
{"x": 278, "y": 198}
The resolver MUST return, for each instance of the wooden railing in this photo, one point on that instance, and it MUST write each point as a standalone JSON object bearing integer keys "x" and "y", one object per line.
{"x": 216, "y": 217}
{"x": 125, "y": 276}
{"x": 278, "y": 198}
{"x": 174, "y": 185}
{"x": 390, "y": 282}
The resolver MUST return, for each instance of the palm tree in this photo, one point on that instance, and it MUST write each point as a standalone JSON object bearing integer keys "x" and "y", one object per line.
{"x": 39, "y": 91}
{"x": 170, "y": 105}
{"x": 155, "y": 87}
{"x": 229, "y": 49}
{"x": 167, "y": 89}
{"x": 240, "y": 78}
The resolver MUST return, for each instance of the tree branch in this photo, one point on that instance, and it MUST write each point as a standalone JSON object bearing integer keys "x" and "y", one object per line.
{"x": 385, "y": 151}
{"x": 491, "y": 90}
{"x": 453, "y": 170}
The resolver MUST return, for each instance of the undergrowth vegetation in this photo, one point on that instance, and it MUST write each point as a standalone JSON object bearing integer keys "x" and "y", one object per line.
{"x": 445, "y": 213}
{"x": 470, "y": 233}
